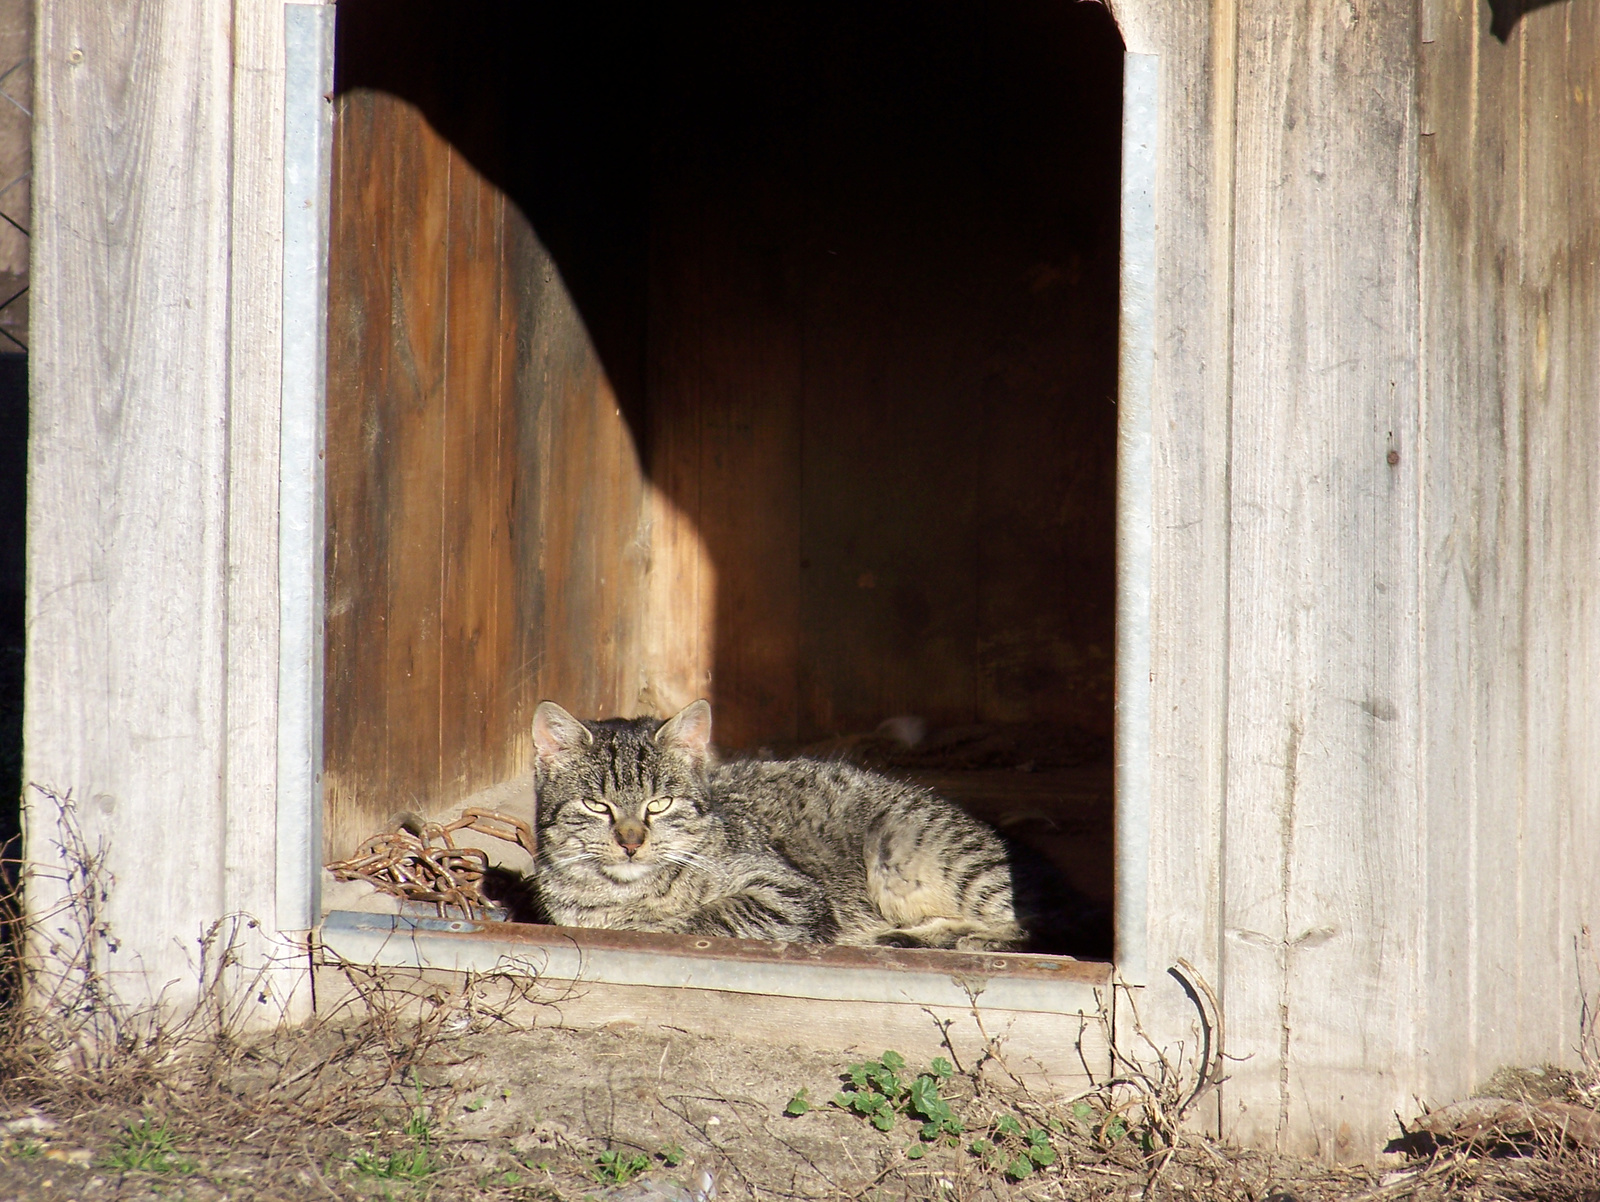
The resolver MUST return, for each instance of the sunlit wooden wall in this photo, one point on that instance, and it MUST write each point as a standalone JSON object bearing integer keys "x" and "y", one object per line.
{"x": 802, "y": 400}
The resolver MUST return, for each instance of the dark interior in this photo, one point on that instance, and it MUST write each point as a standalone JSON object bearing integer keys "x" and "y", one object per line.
{"x": 850, "y": 272}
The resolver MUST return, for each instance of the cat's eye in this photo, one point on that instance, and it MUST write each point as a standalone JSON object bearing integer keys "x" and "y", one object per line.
{"x": 595, "y": 806}
{"x": 659, "y": 805}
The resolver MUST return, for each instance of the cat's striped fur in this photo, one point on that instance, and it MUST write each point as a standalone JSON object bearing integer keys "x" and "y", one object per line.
{"x": 630, "y": 837}
{"x": 641, "y": 829}
{"x": 901, "y": 865}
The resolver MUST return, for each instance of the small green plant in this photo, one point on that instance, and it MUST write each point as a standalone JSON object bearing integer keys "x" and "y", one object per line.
{"x": 25, "y": 1149}
{"x": 146, "y": 1147}
{"x": 616, "y": 1167}
{"x": 878, "y": 1090}
{"x": 405, "y": 1164}
{"x": 418, "y": 1129}
{"x": 409, "y": 1164}
{"x": 1014, "y": 1149}
{"x": 673, "y": 1155}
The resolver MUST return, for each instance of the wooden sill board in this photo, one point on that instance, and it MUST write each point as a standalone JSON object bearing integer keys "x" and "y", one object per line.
{"x": 1001, "y": 981}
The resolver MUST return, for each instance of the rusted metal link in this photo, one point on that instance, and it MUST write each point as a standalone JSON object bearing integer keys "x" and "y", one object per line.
{"x": 425, "y": 865}
{"x": 498, "y": 825}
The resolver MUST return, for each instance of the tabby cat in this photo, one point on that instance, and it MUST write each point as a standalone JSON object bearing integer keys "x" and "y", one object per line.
{"x": 630, "y": 837}
{"x": 640, "y": 828}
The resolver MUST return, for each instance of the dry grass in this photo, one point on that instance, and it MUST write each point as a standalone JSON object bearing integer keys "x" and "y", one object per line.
{"x": 406, "y": 1089}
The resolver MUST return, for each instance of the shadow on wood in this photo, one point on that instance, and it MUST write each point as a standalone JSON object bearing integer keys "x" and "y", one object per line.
{"x": 803, "y": 315}
{"x": 1506, "y": 13}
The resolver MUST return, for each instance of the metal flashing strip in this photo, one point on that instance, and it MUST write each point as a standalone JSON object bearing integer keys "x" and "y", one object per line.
{"x": 1049, "y": 985}
{"x": 1136, "y": 368}
{"x": 307, "y": 156}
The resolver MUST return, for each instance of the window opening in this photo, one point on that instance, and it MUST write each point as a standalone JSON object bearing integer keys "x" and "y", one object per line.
{"x": 768, "y": 354}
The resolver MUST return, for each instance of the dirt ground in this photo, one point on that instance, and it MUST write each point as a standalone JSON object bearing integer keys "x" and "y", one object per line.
{"x": 462, "y": 1104}
{"x": 473, "y": 1088}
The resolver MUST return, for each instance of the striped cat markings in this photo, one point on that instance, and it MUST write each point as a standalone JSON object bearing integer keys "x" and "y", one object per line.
{"x": 642, "y": 828}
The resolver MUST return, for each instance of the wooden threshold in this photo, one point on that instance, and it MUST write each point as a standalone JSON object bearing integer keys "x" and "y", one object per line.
{"x": 1002, "y": 981}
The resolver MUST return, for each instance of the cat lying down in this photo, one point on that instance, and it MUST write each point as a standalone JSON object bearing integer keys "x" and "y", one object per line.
{"x": 641, "y": 828}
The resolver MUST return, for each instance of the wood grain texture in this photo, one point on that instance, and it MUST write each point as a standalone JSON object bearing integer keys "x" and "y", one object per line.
{"x": 587, "y": 556}
{"x": 489, "y": 522}
{"x": 1469, "y": 859}
{"x": 1191, "y": 404}
{"x": 1322, "y": 875}
{"x": 359, "y": 269}
{"x": 478, "y": 610}
{"x": 129, "y": 450}
{"x": 417, "y": 407}
{"x": 254, "y": 381}
{"x": 816, "y": 502}
{"x": 725, "y": 362}
{"x": 1511, "y": 155}
{"x": 1056, "y": 1053}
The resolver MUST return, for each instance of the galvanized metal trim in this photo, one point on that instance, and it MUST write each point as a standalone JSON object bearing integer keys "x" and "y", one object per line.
{"x": 307, "y": 164}
{"x": 404, "y": 942}
{"x": 1136, "y": 367}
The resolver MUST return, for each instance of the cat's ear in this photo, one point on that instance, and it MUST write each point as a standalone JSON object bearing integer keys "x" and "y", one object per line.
{"x": 688, "y": 732}
{"x": 556, "y": 732}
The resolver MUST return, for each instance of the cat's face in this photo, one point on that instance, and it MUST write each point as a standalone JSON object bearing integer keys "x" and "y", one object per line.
{"x": 621, "y": 799}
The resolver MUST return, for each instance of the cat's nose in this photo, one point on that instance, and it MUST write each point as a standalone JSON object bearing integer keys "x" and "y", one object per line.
{"x": 630, "y": 837}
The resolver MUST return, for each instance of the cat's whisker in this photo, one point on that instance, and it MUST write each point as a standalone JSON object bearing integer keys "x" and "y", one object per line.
{"x": 686, "y": 860}
{"x": 567, "y": 861}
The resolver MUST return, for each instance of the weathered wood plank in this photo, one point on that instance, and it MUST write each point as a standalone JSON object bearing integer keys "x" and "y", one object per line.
{"x": 591, "y": 555}
{"x": 1190, "y": 426}
{"x": 478, "y": 463}
{"x": 415, "y": 400}
{"x": 128, "y": 514}
{"x": 1322, "y": 858}
{"x": 1558, "y": 286}
{"x": 1462, "y": 580}
{"x": 726, "y": 369}
{"x": 1510, "y": 157}
{"x": 680, "y": 618}
{"x": 360, "y": 267}
{"x": 250, "y": 797}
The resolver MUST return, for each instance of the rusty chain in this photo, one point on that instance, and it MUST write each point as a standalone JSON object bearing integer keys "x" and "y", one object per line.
{"x": 425, "y": 865}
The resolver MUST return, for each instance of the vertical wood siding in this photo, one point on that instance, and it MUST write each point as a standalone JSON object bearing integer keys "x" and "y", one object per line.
{"x": 254, "y": 358}
{"x": 1321, "y": 882}
{"x": 1190, "y": 411}
{"x": 131, "y": 440}
{"x": 761, "y": 437}
{"x": 1408, "y": 209}
{"x": 1511, "y": 569}
{"x": 1377, "y": 805}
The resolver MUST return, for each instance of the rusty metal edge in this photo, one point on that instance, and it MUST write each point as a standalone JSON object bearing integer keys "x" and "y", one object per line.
{"x": 1012, "y": 981}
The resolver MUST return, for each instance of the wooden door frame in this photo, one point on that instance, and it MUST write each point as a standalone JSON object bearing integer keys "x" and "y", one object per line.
{"x": 309, "y": 51}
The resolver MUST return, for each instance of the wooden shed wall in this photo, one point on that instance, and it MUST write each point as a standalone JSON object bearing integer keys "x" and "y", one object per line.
{"x": 1373, "y": 622}
{"x": 1375, "y": 712}
{"x": 152, "y": 642}
{"x": 1510, "y": 532}
{"x": 781, "y": 373}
